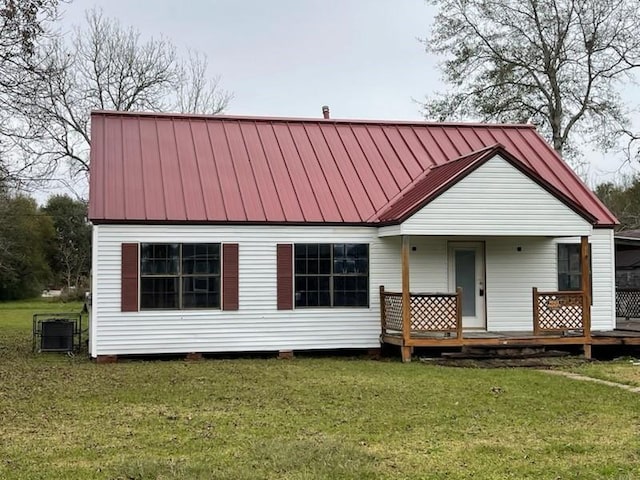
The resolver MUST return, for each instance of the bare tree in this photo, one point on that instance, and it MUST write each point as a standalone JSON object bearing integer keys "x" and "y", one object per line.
{"x": 23, "y": 25}
{"x": 555, "y": 63}
{"x": 103, "y": 66}
{"x": 198, "y": 93}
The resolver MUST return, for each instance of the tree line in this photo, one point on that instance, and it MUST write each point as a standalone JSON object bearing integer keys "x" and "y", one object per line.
{"x": 43, "y": 247}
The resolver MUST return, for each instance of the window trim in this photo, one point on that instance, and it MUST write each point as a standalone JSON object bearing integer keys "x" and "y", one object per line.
{"x": 180, "y": 276}
{"x": 332, "y": 276}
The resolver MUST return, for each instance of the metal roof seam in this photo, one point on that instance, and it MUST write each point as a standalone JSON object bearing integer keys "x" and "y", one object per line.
{"x": 104, "y": 177}
{"x": 355, "y": 169}
{"x": 475, "y": 132}
{"x": 295, "y": 190}
{"x": 324, "y": 173}
{"x": 215, "y": 166}
{"x": 162, "y": 175}
{"x": 376, "y": 174}
{"x": 306, "y": 172}
{"x": 427, "y": 131}
{"x": 253, "y": 173}
{"x": 122, "y": 170}
{"x": 142, "y": 187}
{"x": 453, "y": 144}
{"x": 179, "y": 162}
{"x": 233, "y": 168}
{"x": 269, "y": 167}
{"x": 464, "y": 137}
{"x": 200, "y": 173}
{"x": 395, "y": 152}
{"x": 339, "y": 170}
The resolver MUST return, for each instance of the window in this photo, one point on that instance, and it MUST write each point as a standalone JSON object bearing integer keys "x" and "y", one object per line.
{"x": 569, "y": 275}
{"x": 331, "y": 275}
{"x": 179, "y": 276}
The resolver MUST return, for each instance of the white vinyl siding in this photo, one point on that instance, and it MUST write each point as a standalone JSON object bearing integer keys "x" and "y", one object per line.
{"x": 495, "y": 199}
{"x": 257, "y": 325}
{"x": 514, "y": 265}
{"x": 510, "y": 274}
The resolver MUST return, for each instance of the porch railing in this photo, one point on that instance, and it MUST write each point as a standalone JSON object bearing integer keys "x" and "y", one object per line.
{"x": 430, "y": 312}
{"x": 560, "y": 312}
{"x": 628, "y": 302}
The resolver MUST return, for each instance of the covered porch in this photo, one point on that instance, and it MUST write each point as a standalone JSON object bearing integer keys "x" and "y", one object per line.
{"x": 435, "y": 319}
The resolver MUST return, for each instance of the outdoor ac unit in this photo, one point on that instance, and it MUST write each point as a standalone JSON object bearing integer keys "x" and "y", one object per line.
{"x": 57, "y": 335}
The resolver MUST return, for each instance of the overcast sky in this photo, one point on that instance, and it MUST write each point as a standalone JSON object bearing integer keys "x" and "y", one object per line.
{"x": 290, "y": 57}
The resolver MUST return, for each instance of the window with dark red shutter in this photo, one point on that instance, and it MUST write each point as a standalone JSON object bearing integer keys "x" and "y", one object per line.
{"x": 284, "y": 269}
{"x": 180, "y": 276}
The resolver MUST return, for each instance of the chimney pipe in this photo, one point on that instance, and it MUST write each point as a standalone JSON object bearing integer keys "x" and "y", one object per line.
{"x": 325, "y": 112}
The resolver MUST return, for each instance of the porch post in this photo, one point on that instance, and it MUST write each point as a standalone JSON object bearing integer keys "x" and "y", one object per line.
{"x": 585, "y": 278}
{"x": 406, "y": 301}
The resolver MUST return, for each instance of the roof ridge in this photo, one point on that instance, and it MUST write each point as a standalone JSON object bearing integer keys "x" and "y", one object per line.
{"x": 259, "y": 118}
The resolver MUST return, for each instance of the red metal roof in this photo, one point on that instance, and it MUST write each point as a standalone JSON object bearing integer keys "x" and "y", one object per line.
{"x": 212, "y": 169}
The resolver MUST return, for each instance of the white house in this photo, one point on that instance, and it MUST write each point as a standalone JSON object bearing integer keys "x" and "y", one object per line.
{"x": 221, "y": 234}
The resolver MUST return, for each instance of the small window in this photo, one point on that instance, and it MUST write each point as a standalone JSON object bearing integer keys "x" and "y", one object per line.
{"x": 179, "y": 276}
{"x": 569, "y": 269}
{"x": 331, "y": 275}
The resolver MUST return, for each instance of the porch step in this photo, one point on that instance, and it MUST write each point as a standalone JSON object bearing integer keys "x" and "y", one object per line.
{"x": 479, "y": 353}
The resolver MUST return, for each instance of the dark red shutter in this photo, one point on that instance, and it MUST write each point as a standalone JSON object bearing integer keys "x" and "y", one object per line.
{"x": 285, "y": 276}
{"x": 230, "y": 276}
{"x": 129, "y": 274}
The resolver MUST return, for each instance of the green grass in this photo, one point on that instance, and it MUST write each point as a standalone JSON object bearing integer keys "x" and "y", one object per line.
{"x": 626, "y": 371}
{"x": 68, "y": 418}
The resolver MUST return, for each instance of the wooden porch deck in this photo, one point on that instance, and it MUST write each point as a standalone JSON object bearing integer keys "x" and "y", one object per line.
{"x": 435, "y": 320}
{"x": 626, "y": 334}
{"x": 559, "y": 318}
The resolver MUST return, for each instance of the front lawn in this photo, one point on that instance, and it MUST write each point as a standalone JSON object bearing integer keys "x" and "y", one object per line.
{"x": 625, "y": 371}
{"x": 68, "y": 418}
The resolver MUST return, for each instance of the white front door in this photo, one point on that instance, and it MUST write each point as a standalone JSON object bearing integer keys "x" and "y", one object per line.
{"x": 466, "y": 270}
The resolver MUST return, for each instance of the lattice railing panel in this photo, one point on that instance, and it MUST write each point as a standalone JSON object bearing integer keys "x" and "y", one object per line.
{"x": 393, "y": 311}
{"x": 430, "y": 312}
{"x": 628, "y": 302}
{"x": 560, "y": 311}
{"x": 434, "y": 312}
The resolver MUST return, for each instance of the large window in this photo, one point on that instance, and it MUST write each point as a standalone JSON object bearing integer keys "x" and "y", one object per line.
{"x": 179, "y": 276}
{"x": 569, "y": 272}
{"x": 332, "y": 275}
